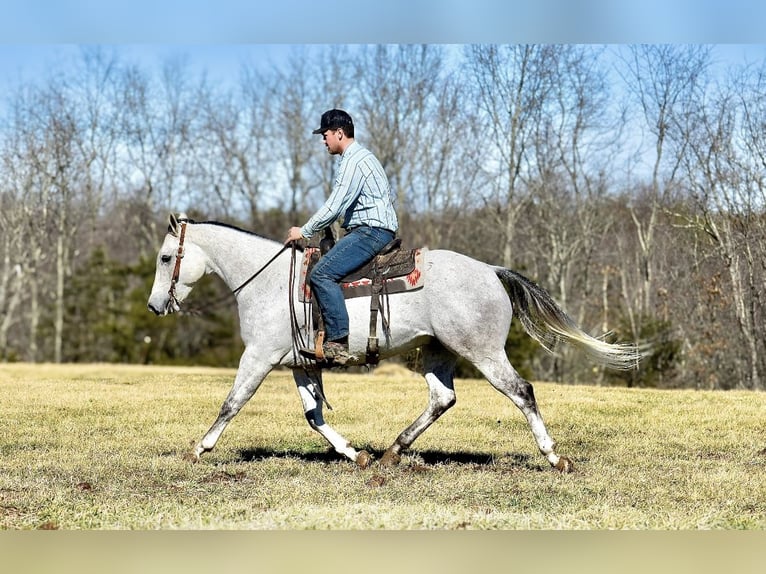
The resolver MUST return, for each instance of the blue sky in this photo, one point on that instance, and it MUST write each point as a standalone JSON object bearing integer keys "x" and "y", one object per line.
{"x": 217, "y": 35}
{"x": 362, "y": 21}
{"x": 32, "y": 61}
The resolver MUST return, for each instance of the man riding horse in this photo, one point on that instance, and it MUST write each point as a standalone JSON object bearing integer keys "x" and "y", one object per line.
{"x": 362, "y": 196}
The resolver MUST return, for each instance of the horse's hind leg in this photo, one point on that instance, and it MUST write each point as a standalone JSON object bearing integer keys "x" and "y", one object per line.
{"x": 308, "y": 383}
{"x": 505, "y": 379}
{"x": 439, "y": 369}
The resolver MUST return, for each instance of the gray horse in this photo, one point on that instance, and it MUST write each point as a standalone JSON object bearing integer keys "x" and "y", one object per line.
{"x": 464, "y": 309}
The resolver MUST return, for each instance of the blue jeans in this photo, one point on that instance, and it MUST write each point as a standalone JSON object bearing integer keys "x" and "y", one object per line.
{"x": 350, "y": 252}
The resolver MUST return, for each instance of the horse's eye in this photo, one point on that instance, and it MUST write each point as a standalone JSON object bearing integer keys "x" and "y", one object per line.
{"x": 165, "y": 258}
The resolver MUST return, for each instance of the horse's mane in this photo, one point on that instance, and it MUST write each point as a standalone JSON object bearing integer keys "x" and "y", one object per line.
{"x": 235, "y": 228}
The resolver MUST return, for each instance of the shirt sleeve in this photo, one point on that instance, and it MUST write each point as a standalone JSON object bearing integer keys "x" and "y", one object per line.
{"x": 344, "y": 193}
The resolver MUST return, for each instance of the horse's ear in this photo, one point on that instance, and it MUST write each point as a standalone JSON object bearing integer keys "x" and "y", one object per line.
{"x": 173, "y": 224}
{"x": 175, "y": 221}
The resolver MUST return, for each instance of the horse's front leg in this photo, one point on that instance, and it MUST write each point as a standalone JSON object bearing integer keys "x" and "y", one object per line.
{"x": 250, "y": 374}
{"x": 307, "y": 382}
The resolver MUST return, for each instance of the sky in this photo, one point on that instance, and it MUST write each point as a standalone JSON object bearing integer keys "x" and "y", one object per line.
{"x": 396, "y": 21}
{"x": 22, "y": 62}
{"x": 217, "y": 35}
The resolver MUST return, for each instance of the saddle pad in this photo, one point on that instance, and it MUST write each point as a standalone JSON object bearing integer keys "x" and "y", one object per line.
{"x": 362, "y": 287}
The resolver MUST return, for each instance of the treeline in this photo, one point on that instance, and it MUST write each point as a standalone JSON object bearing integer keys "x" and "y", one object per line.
{"x": 629, "y": 181}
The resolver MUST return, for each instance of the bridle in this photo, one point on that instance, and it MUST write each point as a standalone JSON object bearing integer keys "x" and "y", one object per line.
{"x": 177, "y": 271}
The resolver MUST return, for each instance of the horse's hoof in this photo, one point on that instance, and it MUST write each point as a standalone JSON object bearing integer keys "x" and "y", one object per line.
{"x": 390, "y": 459}
{"x": 191, "y": 457}
{"x": 363, "y": 459}
{"x": 564, "y": 465}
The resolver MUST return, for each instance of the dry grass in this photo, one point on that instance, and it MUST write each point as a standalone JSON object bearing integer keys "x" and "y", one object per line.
{"x": 100, "y": 447}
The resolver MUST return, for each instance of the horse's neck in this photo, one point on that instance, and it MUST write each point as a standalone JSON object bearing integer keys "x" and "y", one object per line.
{"x": 233, "y": 255}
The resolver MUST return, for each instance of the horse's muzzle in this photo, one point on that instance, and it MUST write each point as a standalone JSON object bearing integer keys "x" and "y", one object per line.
{"x": 170, "y": 306}
{"x": 155, "y": 310}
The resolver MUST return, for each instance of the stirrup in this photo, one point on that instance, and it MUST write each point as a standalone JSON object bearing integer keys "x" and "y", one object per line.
{"x": 319, "y": 351}
{"x": 332, "y": 353}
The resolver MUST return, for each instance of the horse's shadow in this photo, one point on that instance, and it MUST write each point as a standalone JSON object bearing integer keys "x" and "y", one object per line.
{"x": 411, "y": 459}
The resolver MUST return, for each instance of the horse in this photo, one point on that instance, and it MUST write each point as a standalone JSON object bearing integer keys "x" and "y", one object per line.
{"x": 463, "y": 309}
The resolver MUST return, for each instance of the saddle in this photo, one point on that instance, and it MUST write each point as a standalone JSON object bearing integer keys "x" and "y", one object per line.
{"x": 393, "y": 270}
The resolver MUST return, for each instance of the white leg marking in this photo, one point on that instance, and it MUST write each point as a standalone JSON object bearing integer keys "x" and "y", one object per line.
{"x": 312, "y": 407}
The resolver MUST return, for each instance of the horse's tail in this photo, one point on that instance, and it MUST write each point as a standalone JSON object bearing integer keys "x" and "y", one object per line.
{"x": 548, "y": 324}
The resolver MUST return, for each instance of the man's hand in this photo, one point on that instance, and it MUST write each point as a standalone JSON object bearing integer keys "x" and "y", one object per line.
{"x": 294, "y": 234}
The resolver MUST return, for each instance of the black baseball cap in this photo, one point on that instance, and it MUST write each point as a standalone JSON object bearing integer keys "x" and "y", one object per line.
{"x": 334, "y": 119}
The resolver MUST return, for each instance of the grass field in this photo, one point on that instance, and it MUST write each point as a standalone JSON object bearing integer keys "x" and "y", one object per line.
{"x": 101, "y": 447}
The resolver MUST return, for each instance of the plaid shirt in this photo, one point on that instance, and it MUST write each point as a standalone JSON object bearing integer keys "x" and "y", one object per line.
{"x": 361, "y": 194}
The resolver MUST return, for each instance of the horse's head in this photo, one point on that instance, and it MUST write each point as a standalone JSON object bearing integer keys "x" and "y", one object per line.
{"x": 180, "y": 264}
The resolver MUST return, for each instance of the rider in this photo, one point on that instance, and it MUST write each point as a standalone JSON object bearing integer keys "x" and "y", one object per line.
{"x": 362, "y": 196}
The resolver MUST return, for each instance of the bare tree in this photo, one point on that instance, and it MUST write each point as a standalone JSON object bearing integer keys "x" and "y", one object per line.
{"x": 56, "y": 157}
{"x": 334, "y": 70}
{"x": 94, "y": 94}
{"x": 512, "y": 85}
{"x": 231, "y": 146}
{"x": 295, "y": 93}
{"x": 47, "y": 126}
{"x": 574, "y": 141}
{"x": 726, "y": 167}
{"x": 16, "y": 245}
{"x": 664, "y": 81}
{"x": 394, "y": 89}
{"x": 444, "y": 170}
{"x": 154, "y": 131}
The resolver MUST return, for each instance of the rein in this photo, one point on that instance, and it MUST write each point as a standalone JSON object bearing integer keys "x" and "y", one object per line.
{"x": 254, "y": 275}
{"x": 298, "y": 341}
{"x": 177, "y": 271}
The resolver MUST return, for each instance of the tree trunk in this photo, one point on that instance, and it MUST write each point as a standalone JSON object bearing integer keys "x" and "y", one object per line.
{"x": 58, "y": 322}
